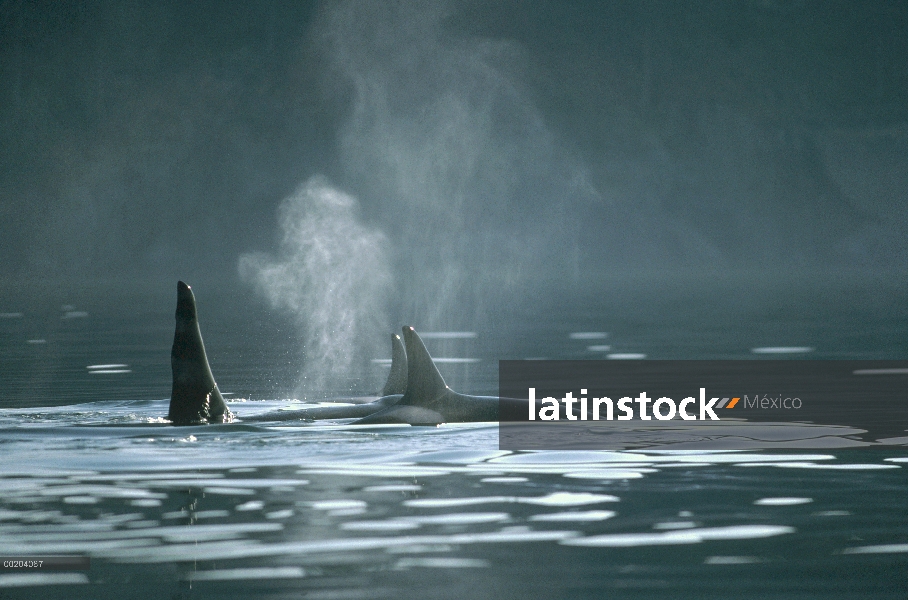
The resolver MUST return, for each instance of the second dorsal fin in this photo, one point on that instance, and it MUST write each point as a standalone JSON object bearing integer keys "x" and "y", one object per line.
{"x": 424, "y": 382}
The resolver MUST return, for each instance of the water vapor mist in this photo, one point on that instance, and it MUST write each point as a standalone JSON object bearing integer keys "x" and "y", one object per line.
{"x": 332, "y": 273}
{"x": 447, "y": 149}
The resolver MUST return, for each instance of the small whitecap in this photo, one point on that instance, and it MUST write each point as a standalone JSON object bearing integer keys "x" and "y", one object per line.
{"x": 782, "y": 350}
{"x": 899, "y": 459}
{"x": 247, "y": 573}
{"x": 108, "y": 366}
{"x": 626, "y": 356}
{"x": 146, "y": 502}
{"x": 607, "y": 474}
{"x": 447, "y": 335}
{"x": 36, "y": 341}
{"x": 337, "y": 504}
{"x": 514, "y": 535}
{"x": 684, "y": 536}
{"x": 30, "y": 579}
{"x": 109, "y": 371}
{"x": 441, "y": 562}
{"x": 227, "y": 483}
{"x": 731, "y": 560}
{"x": 251, "y": 505}
{"x": 452, "y": 360}
{"x": 397, "y": 487}
{"x": 11, "y": 315}
{"x": 833, "y": 513}
{"x": 877, "y": 549}
{"x": 210, "y": 532}
{"x": 389, "y": 525}
{"x": 150, "y": 477}
{"x": 145, "y": 524}
{"x": 669, "y": 525}
{"x": 624, "y": 540}
{"x": 575, "y": 516}
{"x": 201, "y": 514}
{"x": 503, "y": 479}
{"x": 782, "y": 501}
{"x": 120, "y": 518}
{"x": 385, "y": 471}
{"x": 599, "y": 348}
{"x": 588, "y": 335}
{"x": 568, "y": 456}
{"x": 460, "y": 518}
{"x": 30, "y": 516}
{"x": 346, "y": 512}
{"x": 742, "y": 532}
{"x": 186, "y": 552}
{"x": 553, "y": 499}
{"x": 418, "y": 548}
{"x": 280, "y": 514}
{"x": 461, "y": 457}
{"x": 810, "y": 465}
{"x": 80, "y": 500}
{"x": 76, "y": 544}
{"x": 228, "y": 491}
{"x": 450, "y": 502}
{"x": 566, "y": 499}
{"x": 743, "y": 459}
{"x": 211, "y": 514}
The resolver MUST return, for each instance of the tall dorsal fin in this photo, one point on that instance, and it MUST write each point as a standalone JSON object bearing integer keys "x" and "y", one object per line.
{"x": 195, "y": 397}
{"x": 424, "y": 382}
{"x": 397, "y": 378}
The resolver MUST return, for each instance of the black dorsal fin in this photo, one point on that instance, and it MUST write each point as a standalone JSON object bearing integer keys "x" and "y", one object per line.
{"x": 424, "y": 382}
{"x": 195, "y": 397}
{"x": 397, "y": 378}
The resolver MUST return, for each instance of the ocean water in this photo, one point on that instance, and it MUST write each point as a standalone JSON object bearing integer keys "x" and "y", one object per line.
{"x": 328, "y": 510}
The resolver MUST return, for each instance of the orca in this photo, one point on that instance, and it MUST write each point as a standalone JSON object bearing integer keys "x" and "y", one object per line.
{"x": 415, "y": 392}
{"x": 428, "y": 399}
{"x": 195, "y": 398}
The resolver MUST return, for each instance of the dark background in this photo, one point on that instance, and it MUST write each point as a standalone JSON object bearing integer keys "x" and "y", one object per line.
{"x": 149, "y": 138}
{"x": 496, "y": 156}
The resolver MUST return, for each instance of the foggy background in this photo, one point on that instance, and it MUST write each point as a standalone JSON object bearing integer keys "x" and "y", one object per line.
{"x": 357, "y": 165}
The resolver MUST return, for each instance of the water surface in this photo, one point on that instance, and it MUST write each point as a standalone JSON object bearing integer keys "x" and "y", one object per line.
{"x": 327, "y": 510}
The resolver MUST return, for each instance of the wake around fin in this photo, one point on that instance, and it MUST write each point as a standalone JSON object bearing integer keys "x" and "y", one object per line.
{"x": 195, "y": 397}
{"x": 397, "y": 378}
{"x": 426, "y": 397}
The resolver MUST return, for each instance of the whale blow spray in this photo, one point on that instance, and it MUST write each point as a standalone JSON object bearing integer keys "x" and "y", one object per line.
{"x": 332, "y": 273}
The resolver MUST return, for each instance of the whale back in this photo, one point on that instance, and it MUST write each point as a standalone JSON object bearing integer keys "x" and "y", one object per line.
{"x": 397, "y": 378}
{"x": 195, "y": 397}
{"x": 428, "y": 400}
